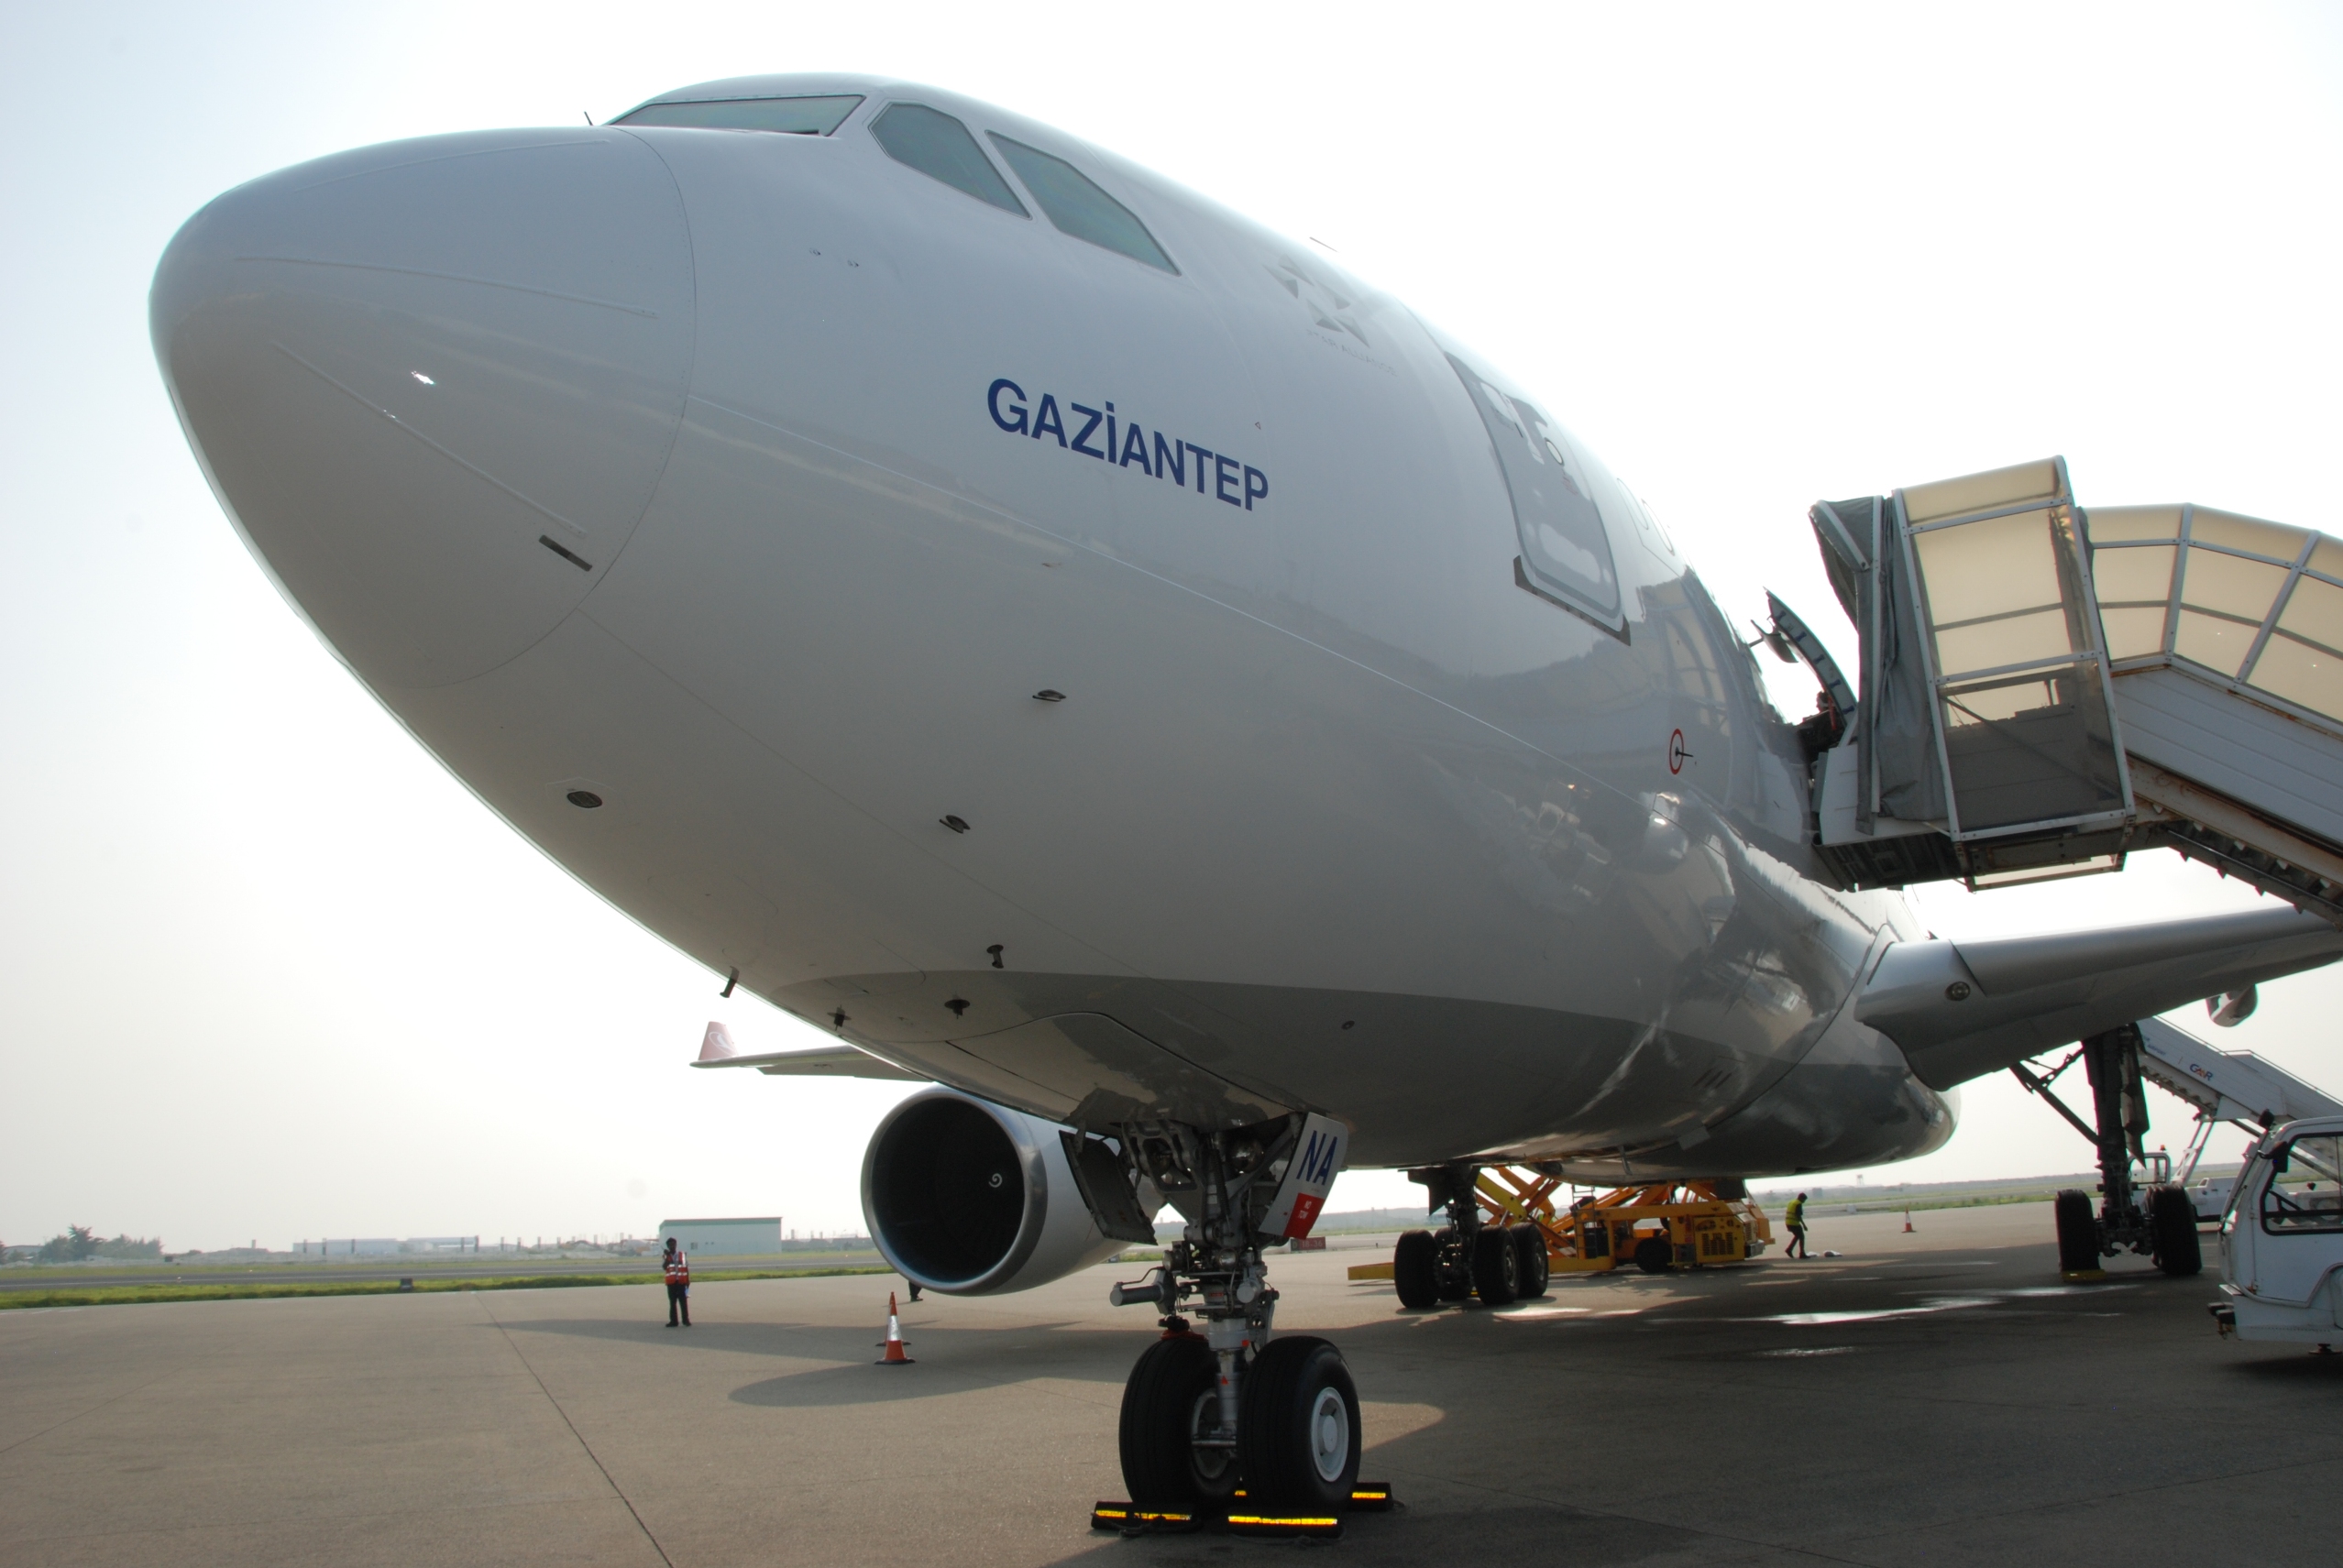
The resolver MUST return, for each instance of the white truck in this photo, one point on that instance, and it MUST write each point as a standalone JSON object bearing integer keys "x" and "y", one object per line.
{"x": 2209, "y": 1196}
{"x": 2282, "y": 1238}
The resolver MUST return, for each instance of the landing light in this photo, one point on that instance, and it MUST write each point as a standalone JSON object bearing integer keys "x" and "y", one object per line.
{"x": 424, "y": 378}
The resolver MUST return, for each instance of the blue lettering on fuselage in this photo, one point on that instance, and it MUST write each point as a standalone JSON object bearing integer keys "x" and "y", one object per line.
{"x": 1217, "y": 474}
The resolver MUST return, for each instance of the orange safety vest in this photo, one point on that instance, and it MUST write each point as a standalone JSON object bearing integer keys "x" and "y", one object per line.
{"x": 678, "y": 1269}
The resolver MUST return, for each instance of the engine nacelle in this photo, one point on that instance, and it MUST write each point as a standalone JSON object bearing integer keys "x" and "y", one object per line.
{"x": 970, "y": 1197}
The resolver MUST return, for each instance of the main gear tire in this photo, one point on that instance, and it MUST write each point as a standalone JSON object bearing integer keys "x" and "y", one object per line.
{"x": 1171, "y": 1399}
{"x": 1533, "y": 1266}
{"x": 2174, "y": 1219}
{"x": 2078, "y": 1232}
{"x": 1415, "y": 1269}
{"x": 1298, "y": 1434}
{"x": 1496, "y": 1266}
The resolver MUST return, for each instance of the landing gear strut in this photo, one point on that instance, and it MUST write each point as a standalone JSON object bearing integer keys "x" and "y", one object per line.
{"x": 1206, "y": 1413}
{"x": 2154, "y": 1218}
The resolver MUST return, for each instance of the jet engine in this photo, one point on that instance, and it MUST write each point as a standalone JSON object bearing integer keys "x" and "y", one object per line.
{"x": 970, "y": 1197}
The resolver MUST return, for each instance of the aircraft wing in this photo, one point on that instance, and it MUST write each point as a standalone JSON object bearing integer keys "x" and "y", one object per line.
{"x": 716, "y": 1049}
{"x": 822, "y": 1062}
{"x": 1960, "y": 1010}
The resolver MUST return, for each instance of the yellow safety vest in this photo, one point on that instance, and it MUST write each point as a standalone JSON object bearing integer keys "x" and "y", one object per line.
{"x": 1796, "y": 1212}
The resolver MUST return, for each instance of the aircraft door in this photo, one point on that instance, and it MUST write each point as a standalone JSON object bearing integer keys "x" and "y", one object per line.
{"x": 1566, "y": 551}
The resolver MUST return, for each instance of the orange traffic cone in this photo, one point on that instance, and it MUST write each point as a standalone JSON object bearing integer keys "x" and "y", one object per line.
{"x": 894, "y": 1340}
{"x": 1908, "y": 1222}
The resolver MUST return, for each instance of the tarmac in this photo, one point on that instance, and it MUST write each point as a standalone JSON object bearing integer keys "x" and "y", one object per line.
{"x": 1935, "y": 1397}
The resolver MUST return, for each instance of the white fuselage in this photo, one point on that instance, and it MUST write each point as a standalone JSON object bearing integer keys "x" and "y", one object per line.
{"x": 1340, "y": 811}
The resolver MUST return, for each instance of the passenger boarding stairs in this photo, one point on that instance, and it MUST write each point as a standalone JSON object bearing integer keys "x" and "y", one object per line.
{"x": 2044, "y": 689}
{"x": 2228, "y": 1086}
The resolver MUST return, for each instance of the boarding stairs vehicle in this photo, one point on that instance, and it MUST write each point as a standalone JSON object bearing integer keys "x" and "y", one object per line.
{"x": 2235, "y": 1087}
{"x": 2045, "y": 689}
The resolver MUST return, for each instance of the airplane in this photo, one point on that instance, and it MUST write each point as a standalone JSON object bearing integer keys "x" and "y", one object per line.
{"x": 1090, "y": 655}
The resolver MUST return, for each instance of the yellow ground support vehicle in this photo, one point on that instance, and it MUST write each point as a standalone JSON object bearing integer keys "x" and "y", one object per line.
{"x": 1665, "y": 1226}
{"x": 1656, "y": 1227}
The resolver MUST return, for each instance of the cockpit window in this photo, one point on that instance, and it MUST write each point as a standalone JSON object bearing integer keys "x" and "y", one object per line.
{"x": 941, "y": 148}
{"x": 791, "y": 116}
{"x": 1079, "y": 207}
{"x": 1566, "y": 554}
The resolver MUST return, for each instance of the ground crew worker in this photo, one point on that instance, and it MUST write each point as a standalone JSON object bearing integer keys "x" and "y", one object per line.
{"x": 678, "y": 1272}
{"x": 1795, "y": 1218}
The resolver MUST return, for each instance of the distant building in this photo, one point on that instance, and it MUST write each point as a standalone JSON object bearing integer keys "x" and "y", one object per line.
{"x": 757, "y": 1237}
{"x": 384, "y": 1246}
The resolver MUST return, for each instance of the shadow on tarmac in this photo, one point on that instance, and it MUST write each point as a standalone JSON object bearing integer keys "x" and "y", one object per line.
{"x": 1965, "y": 1410}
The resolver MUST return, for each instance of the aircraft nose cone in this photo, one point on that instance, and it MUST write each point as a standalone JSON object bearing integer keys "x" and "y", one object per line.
{"x": 434, "y": 382}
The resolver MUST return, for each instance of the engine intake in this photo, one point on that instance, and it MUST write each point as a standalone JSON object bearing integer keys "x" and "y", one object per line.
{"x": 971, "y": 1199}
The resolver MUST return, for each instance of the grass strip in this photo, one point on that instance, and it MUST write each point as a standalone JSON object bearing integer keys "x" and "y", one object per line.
{"x": 124, "y": 1295}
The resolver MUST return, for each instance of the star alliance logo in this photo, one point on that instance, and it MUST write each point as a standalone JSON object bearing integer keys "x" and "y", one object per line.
{"x": 1328, "y": 306}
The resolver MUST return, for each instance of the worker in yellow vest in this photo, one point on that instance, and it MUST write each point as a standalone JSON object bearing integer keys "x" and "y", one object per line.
{"x": 678, "y": 1272}
{"x": 1795, "y": 1218}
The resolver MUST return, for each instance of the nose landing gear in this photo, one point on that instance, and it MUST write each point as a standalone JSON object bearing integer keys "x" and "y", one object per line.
{"x": 1230, "y": 1426}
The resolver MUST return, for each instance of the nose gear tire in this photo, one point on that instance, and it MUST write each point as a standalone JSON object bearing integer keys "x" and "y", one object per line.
{"x": 1298, "y": 1434}
{"x": 1174, "y": 1386}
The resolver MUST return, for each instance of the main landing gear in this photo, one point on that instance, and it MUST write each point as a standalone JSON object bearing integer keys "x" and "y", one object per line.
{"x": 1220, "y": 1419}
{"x": 2153, "y": 1217}
{"x": 1469, "y": 1255}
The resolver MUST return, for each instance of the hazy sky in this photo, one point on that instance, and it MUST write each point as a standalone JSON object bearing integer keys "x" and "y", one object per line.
{"x": 267, "y": 972}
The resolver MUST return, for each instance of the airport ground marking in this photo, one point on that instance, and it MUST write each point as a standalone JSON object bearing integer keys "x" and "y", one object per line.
{"x": 608, "y": 1479}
